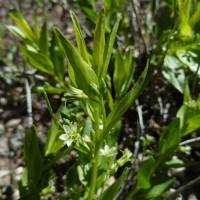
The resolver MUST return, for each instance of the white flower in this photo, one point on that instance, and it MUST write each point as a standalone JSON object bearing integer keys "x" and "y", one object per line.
{"x": 107, "y": 151}
{"x": 70, "y": 135}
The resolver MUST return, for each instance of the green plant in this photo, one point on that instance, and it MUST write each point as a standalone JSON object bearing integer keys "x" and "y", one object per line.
{"x": 88, "y": 130}
{"x": 180, "y": 44}
{"x": 95, "y": 138}
{"x": 40, "y": 48}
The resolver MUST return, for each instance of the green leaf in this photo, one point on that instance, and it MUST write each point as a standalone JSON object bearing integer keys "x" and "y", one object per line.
{"x": 22, "y": 24}
{"x": 192, "y": 124}
{"x": 34, "y": 161}
{"x": 39, "y": 61}
{"x": 123, "y": 73}
{"x": 43, "y": 42}
{"x": 71, "y": 75}
{"x": 53, "y": 144}
{"x": 79, "y": 37}
{"x": 36, "y": 26}
{"x": 195, "y": 18}
{"x": 190, "y": 59}
{"x": 144, "y": 174}
{"x": 159, "y": 185}
{"x": 109, "y": 48}
{"x": 173, "y": 72}
{"x": 57, "y": 57}
{"x": 49, "y": 89}
{"x": 189, "y": 115}
{"x": 99, "y": 44}
{"x": 114, "y": 189}
{"x": 85, "y": 77}
{"x": 184, "y": 16}
{"x": 170, "y": 138}
{"x": 16, "y": 31}
{"x": 159, "y": 189}
{"x": 125, "y": 102}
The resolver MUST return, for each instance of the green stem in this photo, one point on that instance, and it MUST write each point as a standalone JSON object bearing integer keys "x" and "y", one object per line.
{"x": 95, "y": 158}
{"x": 94, "y": 174}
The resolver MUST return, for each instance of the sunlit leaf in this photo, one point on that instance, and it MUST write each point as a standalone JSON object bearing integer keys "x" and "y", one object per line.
{"x": 123, "y": 73}
{"x": 86, "y": 78}
{"x": 109, "y": 48}
{"x": 173, "y": 72}
{"x": 79, "y": 37}
{"x": 22, "y": 24}
{"x": 39, "y": 61}
{"x": 99, "y": 44}
{"x": 120, "y": 107}
{"x": 158, "y": 189}
{"x": 144, "y": 173}
{"x": 57, "y": 57}
{"x": 43, "y": 42}
{"x": 16, "y": 31}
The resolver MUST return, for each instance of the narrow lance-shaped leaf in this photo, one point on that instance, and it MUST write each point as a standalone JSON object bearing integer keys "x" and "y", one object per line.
{"x": 39, "y": 61}
{"x": 36, "y": 26}
{"x": 43, "y": 42}
{"x": 86, "y": 78}
{"x": 169, "y": 141}
{"x": 195, "y": 18}
{"x": 124, "y": 103}
{"x": 191, "y": 125}
{"x": 99, "y": 44}
{"x": 23, "y": 24}
{"x": 189, "y": 115}
{"x": 33, "y": 159}
{"x": 57, "y": 57}
{"x": 53, "y": 144}
{"x": 184, "y": 15}
{"x": 119, "y": 75}
{"x": 16, "y": 31}
{"x": 144, "y": 174}
{"x": 159, "y": 189}
{"x": 123, "y": 73}
{"x": 130, "y": 69}
{"x": 71, "y": 75}
{"x": 79, "y": 37}
{"x": 109, "y": 48}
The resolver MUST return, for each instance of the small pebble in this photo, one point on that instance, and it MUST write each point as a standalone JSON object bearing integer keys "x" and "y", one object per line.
{"x": 13, "y": 123}
{"x": 3, "y": 101}
{"x": 192, "y": 197}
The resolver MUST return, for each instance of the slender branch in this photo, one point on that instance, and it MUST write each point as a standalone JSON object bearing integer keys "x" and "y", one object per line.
{"x": 182, "y": 188}
{"x": 190, "y": 141}
{"x": 137, "y": 17}
{"x": 140, "y": 116}
{"x": 53, "y": 115}
{"x": 29, "y": 103}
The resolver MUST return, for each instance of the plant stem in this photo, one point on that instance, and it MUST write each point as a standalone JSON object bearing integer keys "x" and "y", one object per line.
{"x": 95, "y": 158}
{"x": 94, "y": 173}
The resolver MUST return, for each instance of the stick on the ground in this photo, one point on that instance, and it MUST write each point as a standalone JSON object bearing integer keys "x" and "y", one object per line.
{"x": 29, "y": 103}
{"x": 183, "y": 188}
{"x": 196, "y": 139}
